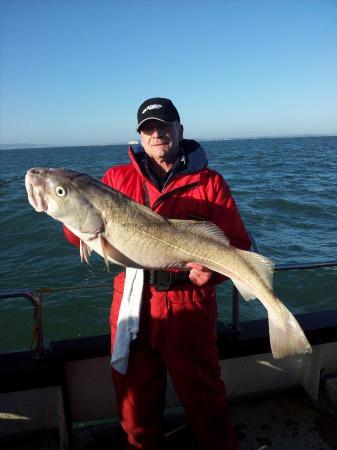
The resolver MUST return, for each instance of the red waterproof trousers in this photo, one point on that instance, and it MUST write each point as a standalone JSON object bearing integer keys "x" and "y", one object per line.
{"x": 178, "y": 327}
{"x": 170, "y": 337}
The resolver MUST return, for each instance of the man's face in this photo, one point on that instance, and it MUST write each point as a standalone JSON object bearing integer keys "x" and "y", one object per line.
{"x": 161, "y": 140}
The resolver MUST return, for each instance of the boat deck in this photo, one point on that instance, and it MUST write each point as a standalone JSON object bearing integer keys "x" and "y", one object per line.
{"x": 48, "y": 388}
{"x": 284, "y": 421}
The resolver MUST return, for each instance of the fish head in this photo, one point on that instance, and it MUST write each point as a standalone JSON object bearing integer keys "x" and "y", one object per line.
{"x": 66, "y": 196}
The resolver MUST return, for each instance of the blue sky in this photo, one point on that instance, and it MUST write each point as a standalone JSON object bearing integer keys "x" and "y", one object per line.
{"x": 74, "y": 72}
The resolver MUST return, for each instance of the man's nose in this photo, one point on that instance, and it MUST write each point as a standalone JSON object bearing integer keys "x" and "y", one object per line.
{"x": 157, "y": 131}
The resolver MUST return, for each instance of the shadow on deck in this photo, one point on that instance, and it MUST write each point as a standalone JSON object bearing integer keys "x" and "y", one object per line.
{"x": 283, "y": 421}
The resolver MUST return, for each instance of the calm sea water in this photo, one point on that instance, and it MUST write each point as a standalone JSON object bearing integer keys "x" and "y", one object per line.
{"x": 286, "y": 190}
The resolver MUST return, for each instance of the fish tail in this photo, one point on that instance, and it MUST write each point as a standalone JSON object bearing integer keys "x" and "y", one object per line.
{"x": 286, "y": 335}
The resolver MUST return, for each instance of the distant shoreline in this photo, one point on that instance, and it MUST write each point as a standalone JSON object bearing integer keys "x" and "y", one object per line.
{"x": 41, "y": 146}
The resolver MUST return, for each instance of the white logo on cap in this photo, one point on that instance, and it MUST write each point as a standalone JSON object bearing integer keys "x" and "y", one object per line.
{"x": 148, "y": 108}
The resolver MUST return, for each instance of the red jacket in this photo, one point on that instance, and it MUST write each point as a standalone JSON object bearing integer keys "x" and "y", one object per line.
{"x": 194, "y": 192}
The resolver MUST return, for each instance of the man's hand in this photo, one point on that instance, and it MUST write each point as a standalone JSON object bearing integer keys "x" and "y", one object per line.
{"x": 199, "y": 275}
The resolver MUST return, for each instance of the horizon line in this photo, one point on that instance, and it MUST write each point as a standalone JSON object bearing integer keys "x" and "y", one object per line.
{"x": 22, "y": 146}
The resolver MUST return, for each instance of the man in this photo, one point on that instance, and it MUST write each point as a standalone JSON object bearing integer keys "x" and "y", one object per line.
{"x": 178, "y": 314}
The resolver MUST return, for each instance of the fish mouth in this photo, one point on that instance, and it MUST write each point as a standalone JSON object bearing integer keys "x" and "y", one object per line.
{"x": 35, "y": 187}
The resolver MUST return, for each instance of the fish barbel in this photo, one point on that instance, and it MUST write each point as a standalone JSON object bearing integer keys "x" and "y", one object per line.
{"x": 132, "y": 235}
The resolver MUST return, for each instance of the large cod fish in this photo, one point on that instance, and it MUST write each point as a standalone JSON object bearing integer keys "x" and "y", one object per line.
{"x": 132, "y": 235}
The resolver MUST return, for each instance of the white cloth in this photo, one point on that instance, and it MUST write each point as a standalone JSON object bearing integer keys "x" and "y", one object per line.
{"x": 128, "y": 318}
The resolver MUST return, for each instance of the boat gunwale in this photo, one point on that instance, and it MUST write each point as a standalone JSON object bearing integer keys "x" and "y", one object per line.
{"x": 29, "y": 369}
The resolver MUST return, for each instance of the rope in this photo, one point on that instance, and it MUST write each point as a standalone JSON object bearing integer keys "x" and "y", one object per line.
{"x": 48, "y": 290}
{"x": 35, "y": 332}
{"x": 176, "y": 430}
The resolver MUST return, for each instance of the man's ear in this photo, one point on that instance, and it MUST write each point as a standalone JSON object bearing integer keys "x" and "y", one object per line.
{"x": 181, "y": 133}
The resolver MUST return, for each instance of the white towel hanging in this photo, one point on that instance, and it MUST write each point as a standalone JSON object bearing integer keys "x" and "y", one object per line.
{"x": 128, "y": 318}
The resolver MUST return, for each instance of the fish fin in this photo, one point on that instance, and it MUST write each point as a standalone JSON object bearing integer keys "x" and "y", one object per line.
{"x": 177, "y": 265}
{"x": 85, "y": 251}
{"x": 112, "y": 253}
{"x": 202, "y": 228}
{"x": 149, "y": 212}
{"x": 262, "y": 265}
{"x": 243, "y": 289}
{"x": 103, "y": 243}
{"x": 286, "y": 335}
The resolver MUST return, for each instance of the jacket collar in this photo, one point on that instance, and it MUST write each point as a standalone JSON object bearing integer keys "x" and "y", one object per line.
{"x": 195, "y": 155}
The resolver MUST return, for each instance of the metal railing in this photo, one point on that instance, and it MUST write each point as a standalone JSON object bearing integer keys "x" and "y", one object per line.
{"x": 235, "y": 328}
{"x": 35, "y": 297}
{"x": 36, "y": 300}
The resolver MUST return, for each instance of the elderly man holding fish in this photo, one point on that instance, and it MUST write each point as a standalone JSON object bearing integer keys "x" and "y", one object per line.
{"x": 172, "y": 222}
{"x": 178, "y": 316}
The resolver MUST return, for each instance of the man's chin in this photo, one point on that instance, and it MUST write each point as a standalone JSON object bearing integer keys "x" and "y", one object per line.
{"x": 162, "y": 149}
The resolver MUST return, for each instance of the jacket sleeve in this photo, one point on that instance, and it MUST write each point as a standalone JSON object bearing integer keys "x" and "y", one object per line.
{"x": 225, "y": 214}
{"x": 71, "y": 237}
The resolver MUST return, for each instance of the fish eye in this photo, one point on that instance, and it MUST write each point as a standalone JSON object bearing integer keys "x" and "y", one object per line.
{"x": 61, "y": 191}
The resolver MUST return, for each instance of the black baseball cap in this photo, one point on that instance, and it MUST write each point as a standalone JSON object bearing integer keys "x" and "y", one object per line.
{"x": 157, "y": 108}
